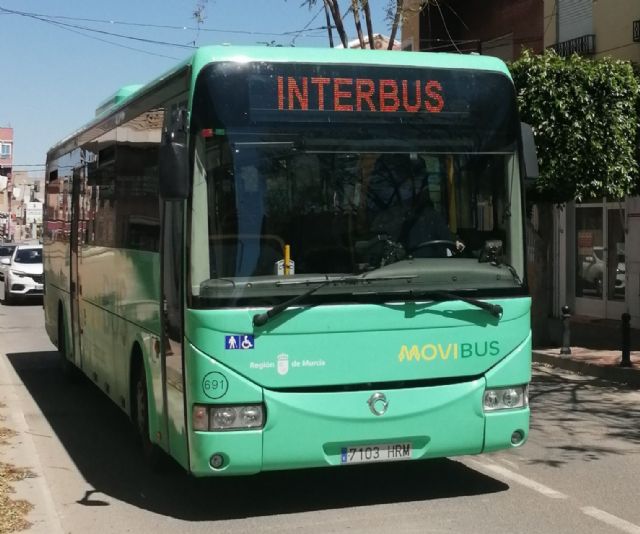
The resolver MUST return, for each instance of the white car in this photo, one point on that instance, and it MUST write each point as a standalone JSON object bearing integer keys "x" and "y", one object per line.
{"x": 593, "y": 272}
{"x": 22, "y": 273}
{"x": 6, "y": 251}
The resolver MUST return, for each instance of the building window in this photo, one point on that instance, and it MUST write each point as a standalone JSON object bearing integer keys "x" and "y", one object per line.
{"x": 575, "y": 19}
{"x": 5, "y": 150}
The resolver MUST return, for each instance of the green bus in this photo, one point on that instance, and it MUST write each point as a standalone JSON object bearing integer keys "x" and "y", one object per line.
{"x": 279, "y": 258}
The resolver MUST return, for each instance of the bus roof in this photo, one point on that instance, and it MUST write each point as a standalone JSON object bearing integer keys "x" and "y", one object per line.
{"x": 121, "y": 94}
{"x": 217, "y": 53}
{"x": 274, "y": 54}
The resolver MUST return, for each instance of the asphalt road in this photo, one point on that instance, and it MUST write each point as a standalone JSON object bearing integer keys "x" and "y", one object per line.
{"x": 579, "y": 472}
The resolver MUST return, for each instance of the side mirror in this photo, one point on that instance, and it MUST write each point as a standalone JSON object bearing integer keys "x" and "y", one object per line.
{"x": 529, "y": 153}
{"x": 491, "y": 251}
{"x": 174, "y": 159}
{"x": 5, "y": 261}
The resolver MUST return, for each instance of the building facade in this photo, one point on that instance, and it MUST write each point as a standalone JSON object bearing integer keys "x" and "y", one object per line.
{"x": 6, "y": 170}
{"x": 593, "y": 28}
{"x": 21, "y": 196}
{"x": 501, "y": 28}
{"x": 597, "y": 243}
{"x": 27, "y": 200}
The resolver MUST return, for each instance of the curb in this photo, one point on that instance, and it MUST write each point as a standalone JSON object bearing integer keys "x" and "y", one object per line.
{"x": 43, "y": 517}
{"x": 622, "y": 375}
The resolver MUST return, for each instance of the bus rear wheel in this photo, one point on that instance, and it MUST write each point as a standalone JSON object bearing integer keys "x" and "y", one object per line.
{"x": 68, "y": 369}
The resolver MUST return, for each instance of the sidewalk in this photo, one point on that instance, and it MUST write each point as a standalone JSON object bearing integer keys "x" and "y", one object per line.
{"x": 598, "y": 363}
{"x": 17, "y": 408}
{"x": 595, "y": 351}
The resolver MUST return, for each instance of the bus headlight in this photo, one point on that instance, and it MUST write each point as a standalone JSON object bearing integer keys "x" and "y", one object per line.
{"x": 223, "y": 417}
{"x": 231, "y": 417}
{"x": 251, "y": 416}
{"x": 506, "y": 398}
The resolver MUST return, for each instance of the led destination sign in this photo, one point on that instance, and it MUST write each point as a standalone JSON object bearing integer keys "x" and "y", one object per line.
{"x": 440, "y": 106}
{"x": 320, "y": 93}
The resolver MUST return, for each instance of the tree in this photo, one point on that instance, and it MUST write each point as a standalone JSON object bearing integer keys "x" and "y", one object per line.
{"x": 584, "y": 115}
{"x": 585, "y": 120}
{"x": 396, "y": 11}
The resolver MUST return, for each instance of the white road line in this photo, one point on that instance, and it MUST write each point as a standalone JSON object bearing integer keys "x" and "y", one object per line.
{"x": 522, "y": 480}
{"x": 512, "y": 465}
{"x": 596, "y": 513}
{"x": 612, "y": 520}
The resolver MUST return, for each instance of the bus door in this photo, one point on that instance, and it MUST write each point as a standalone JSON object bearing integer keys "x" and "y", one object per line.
{"x": 172, "y": 303}
{"x": 74, "y": 282}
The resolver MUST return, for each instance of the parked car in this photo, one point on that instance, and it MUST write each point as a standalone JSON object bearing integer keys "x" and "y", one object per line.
{"x": 593, "y": 271}
{"x": 22, "y": 273}
{"x": 6, "y": 251}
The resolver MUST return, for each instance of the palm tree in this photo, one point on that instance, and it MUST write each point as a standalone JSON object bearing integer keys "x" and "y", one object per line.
{"x": 395, "y": 11}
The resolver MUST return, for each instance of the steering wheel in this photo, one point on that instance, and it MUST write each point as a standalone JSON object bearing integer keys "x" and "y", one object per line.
{"x": 451, "y": 245}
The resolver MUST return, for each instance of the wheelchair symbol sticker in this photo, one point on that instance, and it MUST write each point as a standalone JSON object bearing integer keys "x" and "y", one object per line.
{"x": 239, "y": 342}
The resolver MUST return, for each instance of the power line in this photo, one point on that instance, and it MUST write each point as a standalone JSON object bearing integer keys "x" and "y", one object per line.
{"x": 293, "y": 41}
{"x": 166, "y": 26}
{"x": 44, "y": 18}
{"x": 551, "y": 18}
{"x": 437, "y": 4}
{"x": 120, "y": 45}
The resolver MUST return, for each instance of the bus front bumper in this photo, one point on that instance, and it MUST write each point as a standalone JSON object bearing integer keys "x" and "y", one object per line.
{"x": 314, "y": 429}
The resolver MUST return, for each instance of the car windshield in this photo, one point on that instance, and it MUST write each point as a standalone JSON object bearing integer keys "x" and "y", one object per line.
{"x": 6, "y": 250}
{"x": 28, "y": 255}
{"x": 424, "y": 203}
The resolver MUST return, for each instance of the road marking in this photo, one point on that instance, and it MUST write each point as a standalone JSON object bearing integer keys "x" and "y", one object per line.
{"x": 600, "y": 515}
{"x": 512, "y": 465}
{"x": 612, "y": 520}
{"x": 522, "y": 480}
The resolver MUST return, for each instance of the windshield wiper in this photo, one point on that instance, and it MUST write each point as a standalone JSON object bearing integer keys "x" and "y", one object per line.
{"x": 260, "y": 319}
{"x": 494, "y": 309}
{"x": 492, "y": 254}
{"x": 511, "y": 269}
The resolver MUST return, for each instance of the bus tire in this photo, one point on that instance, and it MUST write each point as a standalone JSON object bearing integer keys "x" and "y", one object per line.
{"x": 68, "y": 369}
{"x": 140, "y": 413}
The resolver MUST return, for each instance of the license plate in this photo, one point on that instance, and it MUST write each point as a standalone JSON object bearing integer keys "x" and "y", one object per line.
{"x": 384, "y": 452}
{"x": 39, "y": 287}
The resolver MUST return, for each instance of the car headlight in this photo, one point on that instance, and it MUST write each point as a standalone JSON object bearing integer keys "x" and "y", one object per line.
{"x": 506, "y": 398}
{"x": 228, "y": 417}
{"x": 17, "y": 273}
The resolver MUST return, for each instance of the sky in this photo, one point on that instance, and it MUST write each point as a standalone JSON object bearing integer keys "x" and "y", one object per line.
{"x": 55, "y": 71}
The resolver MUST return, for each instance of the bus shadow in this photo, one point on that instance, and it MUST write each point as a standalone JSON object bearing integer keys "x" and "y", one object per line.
{"x": 99, "y": 439}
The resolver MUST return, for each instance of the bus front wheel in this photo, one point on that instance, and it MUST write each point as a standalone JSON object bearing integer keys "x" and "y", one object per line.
{"x": 150, "y": 451}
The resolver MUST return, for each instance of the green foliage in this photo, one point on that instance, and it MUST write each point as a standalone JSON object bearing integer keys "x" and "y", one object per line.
{"x": 584, "y": 115}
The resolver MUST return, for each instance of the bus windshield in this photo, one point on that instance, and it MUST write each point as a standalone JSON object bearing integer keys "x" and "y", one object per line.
{"x": 429, "y": 203}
